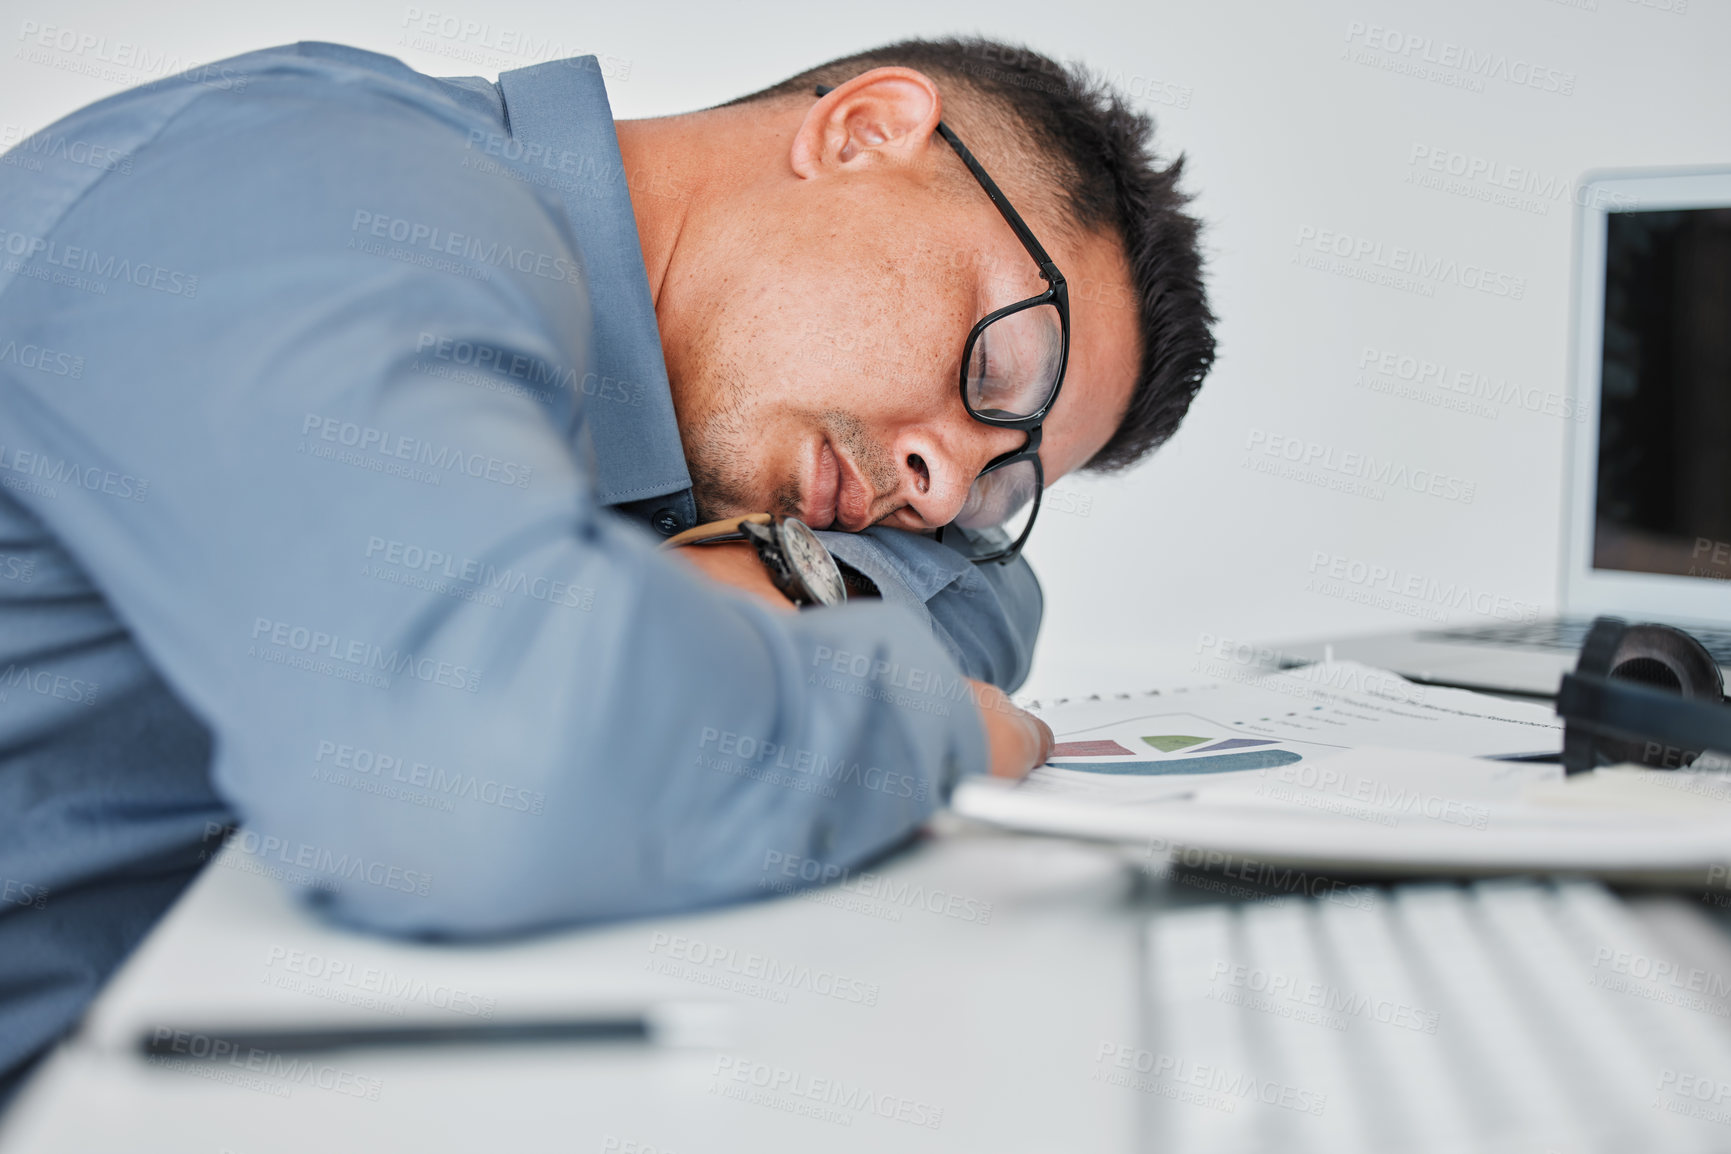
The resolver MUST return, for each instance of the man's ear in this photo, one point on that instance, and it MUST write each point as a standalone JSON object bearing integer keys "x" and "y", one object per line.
{"x": 884, "y": 114}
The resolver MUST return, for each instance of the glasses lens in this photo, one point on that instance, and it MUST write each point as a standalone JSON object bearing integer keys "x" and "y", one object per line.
{"x": 1013, "y": 368}
{"x": 1002, "y": 501}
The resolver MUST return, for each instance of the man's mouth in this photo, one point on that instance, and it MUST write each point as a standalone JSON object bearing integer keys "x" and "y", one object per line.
{"x": 836, "y": 497}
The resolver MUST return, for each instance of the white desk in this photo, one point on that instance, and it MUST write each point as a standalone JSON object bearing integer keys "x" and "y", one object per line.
{"x": 995, "y": 1021}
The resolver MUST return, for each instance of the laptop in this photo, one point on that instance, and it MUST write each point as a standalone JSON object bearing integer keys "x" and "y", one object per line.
{"x": 1647, "y": 505}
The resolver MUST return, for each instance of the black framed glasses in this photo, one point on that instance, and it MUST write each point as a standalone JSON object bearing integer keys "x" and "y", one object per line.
{"x": 1012, "y": 369}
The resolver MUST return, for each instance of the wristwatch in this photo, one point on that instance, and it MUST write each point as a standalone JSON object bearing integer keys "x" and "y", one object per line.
{"x": 797, "y": 562}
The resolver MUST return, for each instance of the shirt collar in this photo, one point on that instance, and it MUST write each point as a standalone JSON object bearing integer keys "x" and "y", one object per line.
{"x": 560, "y": 113}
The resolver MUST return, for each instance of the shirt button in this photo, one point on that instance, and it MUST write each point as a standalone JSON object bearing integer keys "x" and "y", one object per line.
{"x": 665, "y": 522}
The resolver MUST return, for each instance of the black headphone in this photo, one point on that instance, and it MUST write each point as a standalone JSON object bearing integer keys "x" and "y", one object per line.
{"x": 1648, "y": 694}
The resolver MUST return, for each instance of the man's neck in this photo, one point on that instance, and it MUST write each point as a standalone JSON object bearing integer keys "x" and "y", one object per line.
{"x": 683, "y": 169}
{"x": 670, "y": 166}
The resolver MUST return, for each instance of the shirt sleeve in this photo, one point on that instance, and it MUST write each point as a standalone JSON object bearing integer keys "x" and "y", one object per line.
{"x": 986, "y": 617}
{"x": 448, "y": 692}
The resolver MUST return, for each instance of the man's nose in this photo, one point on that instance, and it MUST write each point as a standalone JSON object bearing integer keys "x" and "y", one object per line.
{"x": 938, "y": 471}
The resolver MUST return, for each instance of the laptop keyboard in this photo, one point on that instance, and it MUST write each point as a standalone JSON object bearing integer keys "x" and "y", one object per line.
{"x": 1498, "y": 1016}
{"x": 1567, "y": 633}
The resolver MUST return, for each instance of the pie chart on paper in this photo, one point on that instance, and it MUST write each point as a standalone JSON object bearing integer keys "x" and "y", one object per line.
{"x": 1172, "y": 744}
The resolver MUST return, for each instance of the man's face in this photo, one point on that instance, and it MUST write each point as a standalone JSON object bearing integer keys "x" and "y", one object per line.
{"x": 816, "y": 361}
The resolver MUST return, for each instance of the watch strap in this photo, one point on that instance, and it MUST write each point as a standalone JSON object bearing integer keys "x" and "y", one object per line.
{"x": 714, "y": 532}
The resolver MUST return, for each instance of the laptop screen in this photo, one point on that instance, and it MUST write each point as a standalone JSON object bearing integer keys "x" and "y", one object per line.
{"x": 1663, "y": 503}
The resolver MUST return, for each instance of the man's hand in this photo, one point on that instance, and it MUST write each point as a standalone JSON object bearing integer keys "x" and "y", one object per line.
{"x": 1017, "y": 740}
{"x": 735, "y": 563}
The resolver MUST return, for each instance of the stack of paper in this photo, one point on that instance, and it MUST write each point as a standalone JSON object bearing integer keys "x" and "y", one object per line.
{"x": 1356, "y": 768}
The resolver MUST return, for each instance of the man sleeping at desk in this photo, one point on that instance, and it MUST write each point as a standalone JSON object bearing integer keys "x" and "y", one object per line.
{"x": 345, "y": 411}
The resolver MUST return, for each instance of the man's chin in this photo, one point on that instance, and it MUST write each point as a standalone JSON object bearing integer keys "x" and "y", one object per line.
{"x": 719, "y": 495}
{"x": 717, "y": 503}
{"x": 721, "y": 509}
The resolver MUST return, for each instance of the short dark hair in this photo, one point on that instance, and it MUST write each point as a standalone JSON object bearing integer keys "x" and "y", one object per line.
{"x": 1111, "y": 181}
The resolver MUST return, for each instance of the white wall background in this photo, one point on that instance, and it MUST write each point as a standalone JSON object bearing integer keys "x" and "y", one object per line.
{"x": 1297, "y": 124}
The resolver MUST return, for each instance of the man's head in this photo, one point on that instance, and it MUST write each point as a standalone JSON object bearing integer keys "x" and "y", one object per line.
{"x": 820, "y": 287}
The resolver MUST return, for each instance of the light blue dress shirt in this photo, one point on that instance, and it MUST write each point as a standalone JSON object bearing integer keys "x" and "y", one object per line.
{"x": 332, "y": 412}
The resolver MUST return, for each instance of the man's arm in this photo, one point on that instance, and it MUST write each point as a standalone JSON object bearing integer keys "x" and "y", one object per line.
{"x": 458, "y": 696}
{"x": 1017, "y": 739}
{"x": 987, "y": 617}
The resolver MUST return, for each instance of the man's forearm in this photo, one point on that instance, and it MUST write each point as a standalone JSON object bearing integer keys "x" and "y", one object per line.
{"x": 987, "y": 617}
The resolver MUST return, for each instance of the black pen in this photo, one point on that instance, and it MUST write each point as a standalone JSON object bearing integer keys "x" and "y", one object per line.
{"x": 220, "y": 1043}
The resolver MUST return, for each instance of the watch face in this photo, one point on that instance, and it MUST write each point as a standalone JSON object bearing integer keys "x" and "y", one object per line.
{"x": 806, "y": 556}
